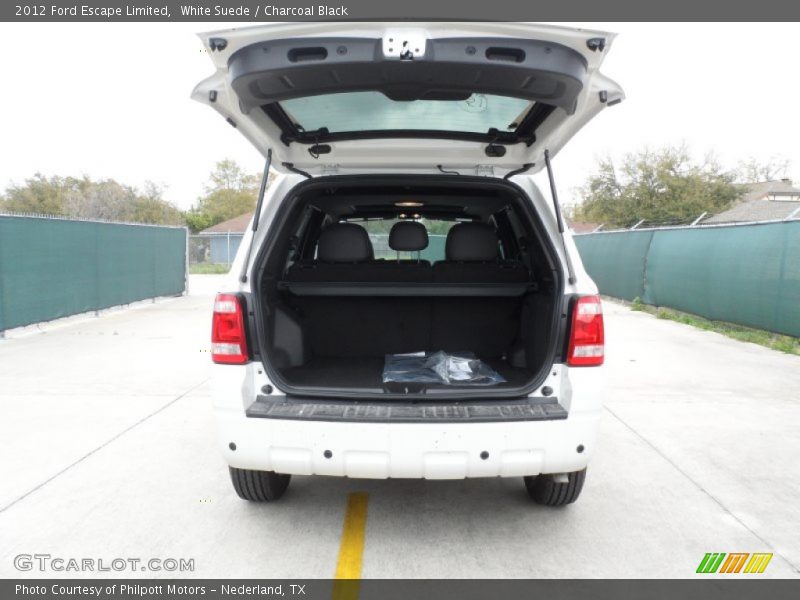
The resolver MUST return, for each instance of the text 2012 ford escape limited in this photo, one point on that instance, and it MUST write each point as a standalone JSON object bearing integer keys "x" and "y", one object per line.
{"x": 407, "y": 302}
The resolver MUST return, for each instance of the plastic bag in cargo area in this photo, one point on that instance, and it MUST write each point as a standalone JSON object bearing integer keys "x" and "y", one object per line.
{"x": 458, "y": 368}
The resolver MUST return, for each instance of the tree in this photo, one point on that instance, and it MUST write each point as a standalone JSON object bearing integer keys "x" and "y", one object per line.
{"x": 222, "y": 205}
{"x": 752, "y": 170}
{"x": 106, "y": 200}
{"x": 384, "y": 226}
{"x": 436, "y": 227}
{"x": 659, "y": 186}
{"x": 42, "y": 195}
{"x": 83, "y": 198}
{"x": 197, "y": 221}
{"x": 150, "y": 207}
{"x": 229, "y": 193}
{"x": 228, "y": 175}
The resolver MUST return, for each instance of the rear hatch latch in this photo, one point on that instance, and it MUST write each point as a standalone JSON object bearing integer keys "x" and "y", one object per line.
{"x": 405, "y": 387}
{"x": 404, "y": 44}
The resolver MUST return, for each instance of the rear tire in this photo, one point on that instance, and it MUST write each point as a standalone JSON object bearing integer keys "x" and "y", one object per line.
{"x": 259, "y": 486}
{"x": 543, "y": 489}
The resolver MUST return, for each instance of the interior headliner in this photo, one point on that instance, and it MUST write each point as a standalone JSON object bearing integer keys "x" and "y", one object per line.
{"x": 382, "y": 203}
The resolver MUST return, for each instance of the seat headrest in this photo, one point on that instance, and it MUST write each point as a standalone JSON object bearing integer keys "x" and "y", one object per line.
{"x": 471, "y": 242}
{"x": 344, "y": 242}
{"x": 408, "y": 236}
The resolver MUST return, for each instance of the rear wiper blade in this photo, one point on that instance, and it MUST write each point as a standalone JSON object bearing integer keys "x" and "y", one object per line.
{"x": 259, "y": 203}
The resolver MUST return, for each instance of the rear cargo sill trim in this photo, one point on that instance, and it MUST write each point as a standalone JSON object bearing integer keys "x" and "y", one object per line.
{"x": 387, "y": 412}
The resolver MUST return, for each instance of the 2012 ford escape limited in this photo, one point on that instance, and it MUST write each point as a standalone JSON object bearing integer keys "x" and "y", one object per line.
{"x": 403, "y": 223}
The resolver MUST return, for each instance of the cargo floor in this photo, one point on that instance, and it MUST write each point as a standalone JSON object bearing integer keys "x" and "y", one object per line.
{"x": 368, "y": 373}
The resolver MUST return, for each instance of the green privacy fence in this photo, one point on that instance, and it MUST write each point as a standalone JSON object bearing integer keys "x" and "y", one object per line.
{"x": 51, "y": 268}
{"x": 435, "y": 249}
{"x": 745, "y": 274}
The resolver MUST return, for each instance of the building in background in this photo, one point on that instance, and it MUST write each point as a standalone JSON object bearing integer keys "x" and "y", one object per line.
{"x": 224, "y": 238}
{"x": 579, "y": 227}
{"x": 764, "y": 201}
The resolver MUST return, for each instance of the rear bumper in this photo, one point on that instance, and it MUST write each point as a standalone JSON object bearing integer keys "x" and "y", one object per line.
{"x": 412, "y": 450}
{"x": 430, "y": 450}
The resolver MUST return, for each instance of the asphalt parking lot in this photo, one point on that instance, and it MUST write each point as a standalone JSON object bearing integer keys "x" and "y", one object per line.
{"x": 108, "y": 450}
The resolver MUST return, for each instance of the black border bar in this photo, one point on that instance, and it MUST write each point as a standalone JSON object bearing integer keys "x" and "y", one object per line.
{"x": 257, "y": 11}
{"x": 708, "y": 587}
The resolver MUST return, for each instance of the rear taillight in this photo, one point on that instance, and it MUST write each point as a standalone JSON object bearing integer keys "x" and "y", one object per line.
{"x": 228, "y": 341}
{"x": 586, "y": 340}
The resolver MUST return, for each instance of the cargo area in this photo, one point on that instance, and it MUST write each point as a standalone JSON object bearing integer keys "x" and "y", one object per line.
{"x": 361, "y": 268}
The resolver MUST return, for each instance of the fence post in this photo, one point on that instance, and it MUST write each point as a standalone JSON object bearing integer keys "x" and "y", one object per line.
{"x": 186, "y": 265}
{"x": 698, "y": 219}
{"x": 2, "y": 330}
{"x": 97, "y": 270}
{"x": 154, "y": 264}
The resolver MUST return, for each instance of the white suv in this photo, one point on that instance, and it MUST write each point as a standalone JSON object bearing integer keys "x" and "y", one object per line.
{"x": 404, "y": 220}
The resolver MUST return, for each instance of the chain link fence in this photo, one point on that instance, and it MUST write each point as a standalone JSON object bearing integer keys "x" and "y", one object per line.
{"x": 213, "y": 253}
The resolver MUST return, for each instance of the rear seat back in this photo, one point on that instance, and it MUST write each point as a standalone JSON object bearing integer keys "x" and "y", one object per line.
{"x": 472, "y": 254}
{"x": 344, "y": 253}
{"x": 357, "y": 326}
{"x": 486, "y": 326}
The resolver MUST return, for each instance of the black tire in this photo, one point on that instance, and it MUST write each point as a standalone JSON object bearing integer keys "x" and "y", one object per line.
{"x": 259, "y": 486}
{"x": 544, "y": 489}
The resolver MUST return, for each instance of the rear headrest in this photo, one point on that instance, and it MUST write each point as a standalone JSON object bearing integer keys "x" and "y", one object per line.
{"x": 408, "y": 236}
{"x": 344, "y": 242}
{"x": 475, "y": 242}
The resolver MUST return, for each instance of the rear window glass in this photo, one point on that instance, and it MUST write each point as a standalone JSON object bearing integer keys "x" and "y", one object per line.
{"x": 378, "y": 230}
{"x": 372, "y": 111}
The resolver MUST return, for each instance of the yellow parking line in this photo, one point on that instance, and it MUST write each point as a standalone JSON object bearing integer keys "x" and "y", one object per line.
{"x": 351, "y": 548}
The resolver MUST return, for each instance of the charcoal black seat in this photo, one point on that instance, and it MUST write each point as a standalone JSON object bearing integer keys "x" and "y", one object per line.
{"x": 344, "y": 243}
{"x": 486, "y": 326}
{"x": 345, "y": 254}
{"x": 472, "y": 254}
{"x": 409, "y": 236}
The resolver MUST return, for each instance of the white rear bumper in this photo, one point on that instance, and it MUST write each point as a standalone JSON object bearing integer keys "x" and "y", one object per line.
{"x": 416, "y": 450}
{"x": 408, "y": 450}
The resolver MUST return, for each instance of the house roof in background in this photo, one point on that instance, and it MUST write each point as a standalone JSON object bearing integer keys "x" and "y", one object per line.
{"x": 756, "y": 204}
{"x": 235, "y": 225}
{"x": 578, "y": 227}
{"x": 761, "y": 189}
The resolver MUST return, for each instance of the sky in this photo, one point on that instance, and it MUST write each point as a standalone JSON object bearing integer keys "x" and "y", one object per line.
{"x": 111, "y": 100}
